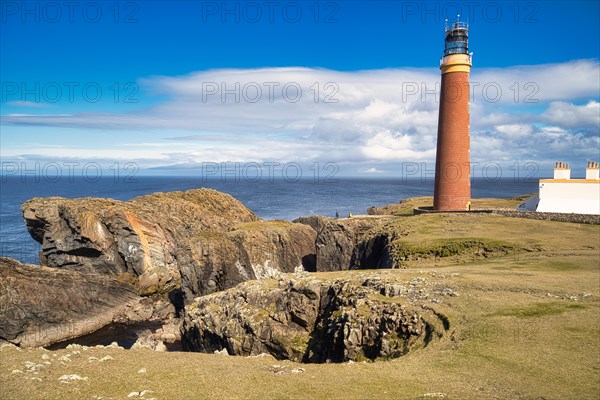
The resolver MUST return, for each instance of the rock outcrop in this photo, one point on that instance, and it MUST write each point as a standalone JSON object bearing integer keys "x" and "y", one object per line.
{"x": 198, "y": 241}
{"x": 40, "y": 305}
{"x": 373, "y": 252}
{"x": 344, "y": 243}
{"x": 314, "y": 221}
{"x": 304, "y": 319}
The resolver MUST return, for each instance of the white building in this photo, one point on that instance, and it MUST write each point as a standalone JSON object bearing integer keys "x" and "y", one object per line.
{"x": 565, "y": 195}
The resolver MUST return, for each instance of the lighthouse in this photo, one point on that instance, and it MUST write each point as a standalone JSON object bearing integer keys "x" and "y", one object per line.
{"x": 452, "y": 191}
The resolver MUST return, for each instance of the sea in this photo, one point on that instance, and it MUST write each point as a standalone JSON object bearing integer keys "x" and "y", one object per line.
{"x": 267, "y": 198}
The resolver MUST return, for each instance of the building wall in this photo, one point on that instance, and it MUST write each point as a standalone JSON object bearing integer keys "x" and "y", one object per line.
{"x": 581, "y": 197}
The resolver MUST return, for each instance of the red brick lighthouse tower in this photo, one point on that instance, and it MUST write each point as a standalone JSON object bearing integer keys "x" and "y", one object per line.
{"x": 452, "y": 167}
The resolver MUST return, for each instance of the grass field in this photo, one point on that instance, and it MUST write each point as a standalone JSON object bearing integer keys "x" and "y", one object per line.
{"x": 525, "y": 325}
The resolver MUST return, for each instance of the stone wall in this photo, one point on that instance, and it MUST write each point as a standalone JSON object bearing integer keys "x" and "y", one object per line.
{"x": 561, "y": 217}
{"x": 545, "y": 216}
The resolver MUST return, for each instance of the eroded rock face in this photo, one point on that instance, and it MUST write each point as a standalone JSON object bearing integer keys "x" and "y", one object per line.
{"x": 372, "y": 252}
{"x": 337, "y": 240}
{"x": 304, "y": 319}
{"x": 200, "y": 240}
{"x": 41, "y": 305}
{"x": 314, "y": 221}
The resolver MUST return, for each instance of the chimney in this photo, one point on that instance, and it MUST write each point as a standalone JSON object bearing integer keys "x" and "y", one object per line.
{"x": 592, "y": 171}
{"x": 562, "y": 171}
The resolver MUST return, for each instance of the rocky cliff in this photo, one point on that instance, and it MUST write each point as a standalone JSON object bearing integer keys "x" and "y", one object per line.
{"x": 198, "y": 241}
{"x": 135, "y": 261}
{"x": 303, "y": 318}
{"x": 41, "y": 305}
{"x": 160, "y": 251}
{"x": 348, "y": 243}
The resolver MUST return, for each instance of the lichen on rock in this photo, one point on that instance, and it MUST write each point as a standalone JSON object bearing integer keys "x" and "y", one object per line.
{"x": 309, "y": 320}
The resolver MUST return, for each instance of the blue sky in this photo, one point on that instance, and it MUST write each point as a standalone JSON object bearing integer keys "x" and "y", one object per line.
{"x": 130, "y": 81}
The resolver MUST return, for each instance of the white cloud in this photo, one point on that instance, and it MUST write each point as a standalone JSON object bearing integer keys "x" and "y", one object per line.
{"x": 571, "y": 115}
{"x": 372, "y": 170}
{"x": 375, "y": 116}
{"x": 23, "y": 103}
{"x": 390, "y": 146}
{"x": 531, "y": 84}
{"x": 515, "y": 131}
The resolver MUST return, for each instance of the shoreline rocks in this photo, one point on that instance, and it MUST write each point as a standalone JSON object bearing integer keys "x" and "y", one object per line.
{"x": 111, "y": 262}
{"x": 40, "y": 305}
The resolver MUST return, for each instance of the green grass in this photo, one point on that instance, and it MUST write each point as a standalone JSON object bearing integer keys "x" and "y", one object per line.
{"x": 438, "y": 237}
{"x": 402, "y": 250}
{"x": 558, "y": 265}
{"x": 406, "y": 206}
{"x": 539, "y": 310}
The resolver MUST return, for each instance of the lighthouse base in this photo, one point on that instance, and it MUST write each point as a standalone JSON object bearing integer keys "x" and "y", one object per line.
{"x": 452, "y": 203}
